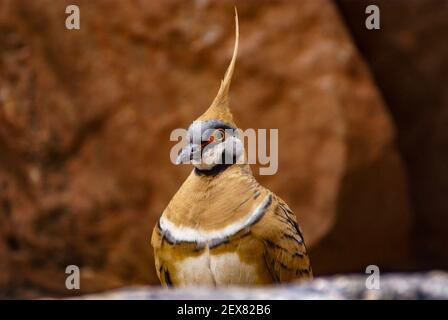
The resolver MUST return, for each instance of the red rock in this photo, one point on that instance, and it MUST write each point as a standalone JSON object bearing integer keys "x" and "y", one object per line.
{"x": 409, "y": 61}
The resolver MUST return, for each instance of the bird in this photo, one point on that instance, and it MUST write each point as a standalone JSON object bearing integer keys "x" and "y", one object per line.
{"x": 223, "y": 228}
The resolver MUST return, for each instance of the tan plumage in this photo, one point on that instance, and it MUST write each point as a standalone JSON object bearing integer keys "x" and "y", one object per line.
{"x": 219, "y": 108}
{"x": 223, "y": 228}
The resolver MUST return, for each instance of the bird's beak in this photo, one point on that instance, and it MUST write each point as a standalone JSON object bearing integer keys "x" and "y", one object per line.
{"x": 187, "y": 154}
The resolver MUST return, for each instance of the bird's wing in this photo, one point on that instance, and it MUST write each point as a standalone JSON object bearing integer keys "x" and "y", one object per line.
{"x": 285, "y": 253}
{"x": 156, "y": 242}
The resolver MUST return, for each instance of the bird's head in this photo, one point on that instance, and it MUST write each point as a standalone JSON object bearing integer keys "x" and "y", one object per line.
{"x": 211, "y": 143}
{"x": 213, "y": 139}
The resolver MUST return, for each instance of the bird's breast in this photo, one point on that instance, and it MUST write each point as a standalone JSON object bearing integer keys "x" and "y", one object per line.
{"x": 216, "y": 269}
{"x": 225, "y": 255}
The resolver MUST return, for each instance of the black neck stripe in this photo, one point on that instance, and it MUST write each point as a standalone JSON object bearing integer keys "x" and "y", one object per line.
{"x": 213, "y": 171}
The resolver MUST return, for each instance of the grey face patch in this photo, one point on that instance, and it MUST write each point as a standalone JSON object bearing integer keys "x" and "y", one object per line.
{"x": 205, "y": 151}
{"x": 200, "y": 131}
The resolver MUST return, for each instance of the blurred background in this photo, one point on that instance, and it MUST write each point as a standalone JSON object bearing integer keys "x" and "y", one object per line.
{"x": 85, "y": 118}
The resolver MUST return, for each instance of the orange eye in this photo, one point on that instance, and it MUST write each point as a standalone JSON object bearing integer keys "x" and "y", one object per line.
{"x": 220, "y": 134}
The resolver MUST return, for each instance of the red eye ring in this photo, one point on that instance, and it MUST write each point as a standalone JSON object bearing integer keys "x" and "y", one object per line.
{"x": 213, "y": 136}
{"x": 210, "y": 140}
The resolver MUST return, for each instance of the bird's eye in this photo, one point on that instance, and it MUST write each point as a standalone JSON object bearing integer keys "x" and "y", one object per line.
{"x": 219, "y": 135}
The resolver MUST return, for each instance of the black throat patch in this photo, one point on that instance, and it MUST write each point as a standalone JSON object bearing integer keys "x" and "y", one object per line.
{"x": 213, "y": 172}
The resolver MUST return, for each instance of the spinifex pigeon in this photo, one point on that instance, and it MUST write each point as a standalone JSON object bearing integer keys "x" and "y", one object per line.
{"x": 222, "y": 227}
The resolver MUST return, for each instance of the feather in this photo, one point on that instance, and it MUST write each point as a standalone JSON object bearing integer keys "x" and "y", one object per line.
{"x": 219, "y": 109}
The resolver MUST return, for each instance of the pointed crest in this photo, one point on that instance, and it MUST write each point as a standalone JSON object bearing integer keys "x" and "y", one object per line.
{"x": 219, "y": 109}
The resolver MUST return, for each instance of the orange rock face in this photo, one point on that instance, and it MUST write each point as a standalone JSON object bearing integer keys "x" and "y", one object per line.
{"x": 85, "y": 119}
{"x": 410, "y": 64}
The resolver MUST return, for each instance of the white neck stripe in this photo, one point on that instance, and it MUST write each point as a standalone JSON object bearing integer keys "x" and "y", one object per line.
{"x": 187, "y": 234}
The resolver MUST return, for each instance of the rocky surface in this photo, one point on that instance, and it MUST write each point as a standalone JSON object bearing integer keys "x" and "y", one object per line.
{"x": 433, "y": 285}
{"x": 409, "y": 61}
{"x": 85, "y": 118}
